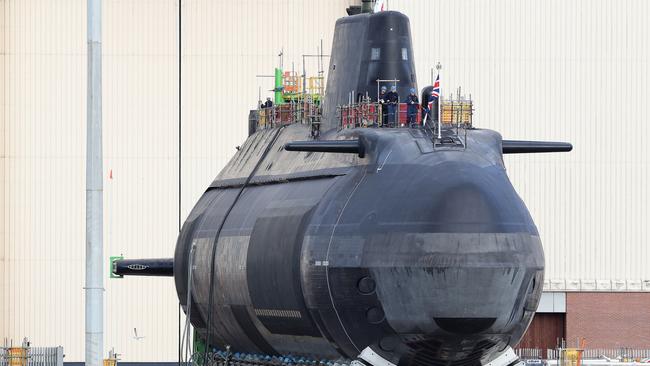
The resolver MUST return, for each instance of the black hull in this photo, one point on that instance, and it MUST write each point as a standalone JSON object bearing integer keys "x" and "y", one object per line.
{"x": 426, "y": 256}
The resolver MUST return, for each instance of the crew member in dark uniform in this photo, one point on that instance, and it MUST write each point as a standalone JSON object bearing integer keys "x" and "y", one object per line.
{"x": 267, "y": 112}
{"x": 412, "y": 107}
{"x": 384, "y": 107}
{"x": 392, "y": 98}
{"x": 426, "y": 112}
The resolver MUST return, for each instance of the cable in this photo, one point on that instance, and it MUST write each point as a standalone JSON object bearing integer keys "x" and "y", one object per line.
{"x": 180, "y": 162}
{"x": 216, "y": 237}
{"x": 180, "y": 141}
{"x": 180, "y": 342}
{"x": 185, "y": 340}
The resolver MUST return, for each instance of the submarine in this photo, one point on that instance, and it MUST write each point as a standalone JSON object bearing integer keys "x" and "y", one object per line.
{"x": 386, "y": 245}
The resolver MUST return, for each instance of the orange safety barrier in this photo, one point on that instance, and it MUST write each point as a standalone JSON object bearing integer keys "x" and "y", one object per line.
{"x": 17, "y": 356}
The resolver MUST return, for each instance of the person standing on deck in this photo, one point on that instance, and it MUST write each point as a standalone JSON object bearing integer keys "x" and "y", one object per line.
{"x": 411, "y": 107}
{"x": 392, "y": 98}
{"x": 381, "y": 98}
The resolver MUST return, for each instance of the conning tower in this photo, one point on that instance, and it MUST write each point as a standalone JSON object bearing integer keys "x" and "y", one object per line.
{"x": 367, "y": 48}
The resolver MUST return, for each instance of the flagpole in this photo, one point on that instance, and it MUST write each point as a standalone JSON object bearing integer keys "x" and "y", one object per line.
{"x": 439, "y": 67}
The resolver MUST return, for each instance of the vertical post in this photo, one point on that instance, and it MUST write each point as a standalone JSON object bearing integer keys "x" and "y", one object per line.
{"x": 439, "y": 67}
{"x": 377, "y": 90}
{"x": 304, "y": 77}
{"x": 94, "y": 189}
{"x": 322, "y": 65}
{"x": 460, "y": 112}
{"x": 180, "y": 145}
{"x": 396, "y": 116}
{"x": 180, "y": 114}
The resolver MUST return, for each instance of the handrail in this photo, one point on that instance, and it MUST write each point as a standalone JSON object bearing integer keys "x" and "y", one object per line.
{"x": 289, "y": 113}
{"x": 374, "y": 114}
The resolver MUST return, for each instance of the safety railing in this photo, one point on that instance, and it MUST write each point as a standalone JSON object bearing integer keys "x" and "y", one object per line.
{"x": 530, "y": 353}
{"x": 457, "y": 112}
{"x": 612, "y": 354}
{"x": 289, "y": 113}
{"x": 372, "y": 114}
{"x": 454, "y": 113}
{"x": 31, "y": 356}
{"x": 619, "y": 354}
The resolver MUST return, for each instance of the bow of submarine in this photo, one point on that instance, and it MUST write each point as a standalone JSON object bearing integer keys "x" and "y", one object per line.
{"x": 426, "y": 256}
{"x": 430, "y": 257}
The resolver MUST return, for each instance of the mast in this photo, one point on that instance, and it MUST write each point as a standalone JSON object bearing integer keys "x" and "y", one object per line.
{"x": 439, "y": 67}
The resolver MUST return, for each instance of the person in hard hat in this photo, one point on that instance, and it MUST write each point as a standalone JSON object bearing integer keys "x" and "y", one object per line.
{"x": 384, "y": 106}
{"x": 392, "y": 99}
{"x": 412, "y": 107}
{"x": 268, "y": 103}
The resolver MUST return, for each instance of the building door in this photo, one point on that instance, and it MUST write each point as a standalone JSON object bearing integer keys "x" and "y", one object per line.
{"x": 545, "y": 332}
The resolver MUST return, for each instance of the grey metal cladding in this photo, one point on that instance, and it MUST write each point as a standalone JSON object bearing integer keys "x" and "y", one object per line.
{"x": 273, "y": 269}
{"x": 245, "y": 320}
{"x": 352, "y": 305}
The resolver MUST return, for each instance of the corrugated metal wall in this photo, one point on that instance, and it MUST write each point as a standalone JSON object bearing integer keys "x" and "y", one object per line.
{"x": 574, "y": 70}
{"x": 44, "y": 114}
{"x": 549, "y": 70}
{"x": 225, "y": 46}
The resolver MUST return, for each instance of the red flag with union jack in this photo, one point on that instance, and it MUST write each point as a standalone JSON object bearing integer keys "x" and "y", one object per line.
{"x": 435, "y": 94}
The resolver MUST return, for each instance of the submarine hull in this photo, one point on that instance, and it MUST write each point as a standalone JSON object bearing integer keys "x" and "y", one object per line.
{"x": 424, "y": 256}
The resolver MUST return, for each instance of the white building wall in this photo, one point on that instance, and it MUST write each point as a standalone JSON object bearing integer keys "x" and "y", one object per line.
{"x": 44, "y": 114}
{"x": 559, "y": 70}
{"x": 573, "y": 70}
{"x": 225, "y": 46}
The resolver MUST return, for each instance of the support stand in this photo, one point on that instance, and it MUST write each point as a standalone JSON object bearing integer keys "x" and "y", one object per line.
{"x": 507, "y": 358}
{"x": 369, "y": 357}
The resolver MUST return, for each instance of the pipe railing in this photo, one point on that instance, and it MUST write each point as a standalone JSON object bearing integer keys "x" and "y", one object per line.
{"x": 373, "y": 114}
{"x": 289, "y": 113}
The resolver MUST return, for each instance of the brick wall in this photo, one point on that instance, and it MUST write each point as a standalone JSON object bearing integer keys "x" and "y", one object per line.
{"x": 608, "y": 320}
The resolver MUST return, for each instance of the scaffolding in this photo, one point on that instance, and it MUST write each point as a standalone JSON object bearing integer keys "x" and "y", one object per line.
{"x": 305, "y": 111}
{"x": 457, "y": 111}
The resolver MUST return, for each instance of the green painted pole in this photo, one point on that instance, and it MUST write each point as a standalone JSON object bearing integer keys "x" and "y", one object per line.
{"x": 278, "y": 87}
